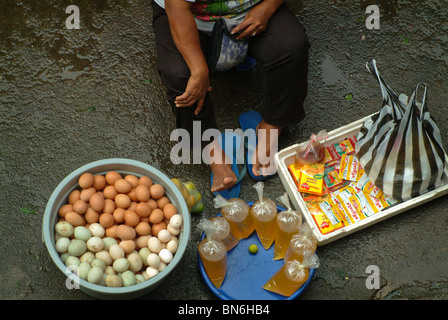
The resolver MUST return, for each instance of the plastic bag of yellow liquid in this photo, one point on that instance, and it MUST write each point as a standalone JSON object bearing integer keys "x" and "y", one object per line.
{"x": 220, "y": 229}
{"x": 236, "y": 212}
{"x": 289, "y": 222}
{"x": 291, "y": 276}
{"x": 302, "y": 244}
{"x": 191, "y": 194}
{"x": 213, "y": 254}
{"x": 264, "y": 212}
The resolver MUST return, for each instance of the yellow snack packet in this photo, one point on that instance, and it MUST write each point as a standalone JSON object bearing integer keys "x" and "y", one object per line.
{"x": 349, "y": 168}
{"x": 312, "y": 178}
{"x": 324, "y": 224}
{"x": 367, "y": 186}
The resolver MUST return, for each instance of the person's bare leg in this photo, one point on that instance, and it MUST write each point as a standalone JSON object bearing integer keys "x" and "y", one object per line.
{"x": 223, "y": 175}
{"x": 267, "y": 146}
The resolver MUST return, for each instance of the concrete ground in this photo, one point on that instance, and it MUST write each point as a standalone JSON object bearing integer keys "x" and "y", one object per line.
{"x": 69, "y": 97}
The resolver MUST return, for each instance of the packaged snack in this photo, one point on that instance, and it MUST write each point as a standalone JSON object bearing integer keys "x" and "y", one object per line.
{"x": 294, "y": 170}
{"x": 302, "y": 244}
{"x": 367, "y": 186}
{"x": 289, "y": 223}
{"x": 213, "y": 254}
{"x": 349, "y": 168}
{"x": 324, "y": 224}
{"x": 351, "y": 205}
{"x": 312, "y": 178}
{"x": 291, "y": 276}
{"x": 331, "y": 175}
{"x": 236, "y": 212}
{"x": 313, "y": 150}
{"x": 264, "y": 213}
{"x": 335, "y": 151}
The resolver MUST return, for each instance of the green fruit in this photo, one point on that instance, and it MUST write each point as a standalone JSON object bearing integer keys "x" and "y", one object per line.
{"x": 198, "y": 208}
{"x": 253, "y": 248}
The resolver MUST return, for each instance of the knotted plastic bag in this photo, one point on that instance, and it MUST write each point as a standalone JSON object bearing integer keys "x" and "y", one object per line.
{"x": 302, "y": 244}
{"x": 289, "y": 223}
{"x": 400, "y": 147}
{"x": 236, "y": 212}
{"x": 191, "y": 195}
{"x": 291, "y": 276}
{"x": 312, "y": 151}
{"x": 219, "y": 229}
{"x": 264, "y": 212}
{"x": 213, "y": 254}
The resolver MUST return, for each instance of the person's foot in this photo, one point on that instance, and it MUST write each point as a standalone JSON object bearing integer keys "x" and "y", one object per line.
{"x": 221, "y": 166}
{"x": 267, "y": 146}
{"x": 223, "y": 177}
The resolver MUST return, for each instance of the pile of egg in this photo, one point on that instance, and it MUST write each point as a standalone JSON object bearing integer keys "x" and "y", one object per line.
{"x": 117, "y": 230}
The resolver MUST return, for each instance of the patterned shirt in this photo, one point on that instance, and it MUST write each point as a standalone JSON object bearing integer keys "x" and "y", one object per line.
{"x": 208, "y": 10}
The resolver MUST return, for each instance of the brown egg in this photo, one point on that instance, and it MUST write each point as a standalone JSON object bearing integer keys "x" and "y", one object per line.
{"x": 146, "y": 181}
{"x": 169, "y": 210}
{"x": 97, "y": 201}
{"x": 133, "y": 180}
{"x": 91, "y": 215}
{"x": 73, "y": 196}
{"x": 64, "y": 209}
{"x": 85, "y": 180}
{"x": 144, "y": 219}
{"x": 112, "y": 176}
{"x": 99, "y": 182}
{"x": 131, "y": 218}
{"x": 109, "y": 206}
{"x": 119, "y": 215}
{"x": 142, "y": 193}
{"x": 75, "y": 219}
{"x": 162, "y": 202}
{"x": 80, "y": 206}
{"x": 127, "y": 245}
{"x": 143, "y": 229}
{"x": 125, "y": 232}
{"x": 143, "y": 209}
{"x": 133, "y": 205}
{"x": 87, "y": 193}
{"x": 156, "y": 215}
{"x": 109, "y": 192}
{"x": 152, "y": 203}
{"x": 142, "y": 241}
{"x": 132, "y": 195}
{"x": 157, "y": 227}
{"x": 122, "y": 201}
{"x": 106, "y": 220}
{"x": 157, "y": 191}
{"x": 122, "y": 186}
{"x": 112, "y": 231}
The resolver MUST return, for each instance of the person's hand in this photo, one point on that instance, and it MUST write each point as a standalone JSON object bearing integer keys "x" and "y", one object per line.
{"x": 254, "y": 22}
{"x": 197, "y": 87}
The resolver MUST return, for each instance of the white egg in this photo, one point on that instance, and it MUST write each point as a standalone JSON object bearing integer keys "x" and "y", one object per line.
{"x": 95, "y": 275}
{"x": 154, "y": 244}
{"x": 95, "y": 244}
{"x": 176, "y": 221}
{"x": 165, "y": 255}
{"x": 153, "y": 260}
{"x": 62, "y": 244}
{"x": 151, "y": 272}
{"x": 164, "y": 236}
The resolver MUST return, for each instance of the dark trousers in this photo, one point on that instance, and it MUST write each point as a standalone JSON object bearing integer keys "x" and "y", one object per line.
{"x": 282, "y": 49}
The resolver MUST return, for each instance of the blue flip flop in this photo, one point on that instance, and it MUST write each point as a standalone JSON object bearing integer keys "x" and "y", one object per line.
{"x": 232, "y": 141}
{"x": 249, "y": 121}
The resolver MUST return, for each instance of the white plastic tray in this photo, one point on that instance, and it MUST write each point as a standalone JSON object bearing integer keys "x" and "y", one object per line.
{"x": 286, "y": 156}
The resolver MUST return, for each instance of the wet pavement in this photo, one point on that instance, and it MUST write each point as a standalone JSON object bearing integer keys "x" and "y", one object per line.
{"x": 69, "y": 97}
